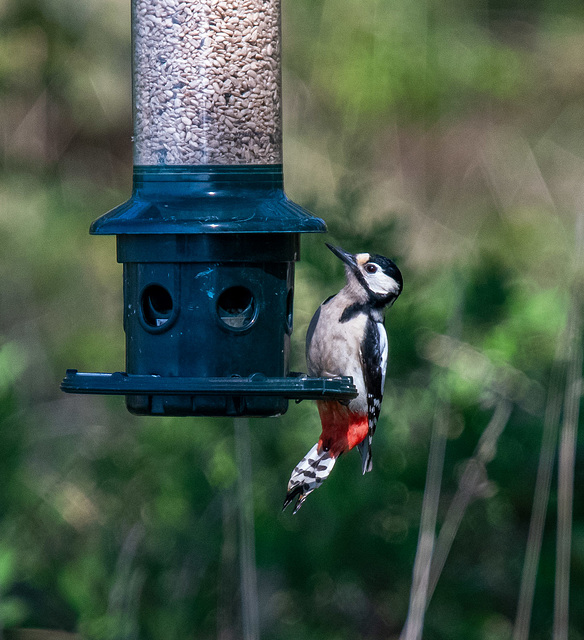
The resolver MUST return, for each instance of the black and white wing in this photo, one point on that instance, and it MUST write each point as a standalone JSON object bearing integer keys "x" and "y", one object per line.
{"x": 374, "y": 363}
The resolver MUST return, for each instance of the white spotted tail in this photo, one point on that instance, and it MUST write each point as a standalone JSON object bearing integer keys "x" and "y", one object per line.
{"x": 308, "y": 475}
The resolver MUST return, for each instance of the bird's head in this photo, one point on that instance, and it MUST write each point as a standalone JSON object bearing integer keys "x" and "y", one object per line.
{"x": 371, "y": 277}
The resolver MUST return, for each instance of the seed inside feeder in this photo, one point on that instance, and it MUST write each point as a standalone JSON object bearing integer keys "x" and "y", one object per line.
{"x": 207, "y": 82}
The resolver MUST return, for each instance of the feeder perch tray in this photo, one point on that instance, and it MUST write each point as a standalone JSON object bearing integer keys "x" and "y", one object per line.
{"x": 233, "y": 396}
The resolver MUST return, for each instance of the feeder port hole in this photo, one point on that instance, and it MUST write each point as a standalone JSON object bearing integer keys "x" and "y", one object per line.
{"x": 236, "y": 308}
{"x": 157, "y": 306}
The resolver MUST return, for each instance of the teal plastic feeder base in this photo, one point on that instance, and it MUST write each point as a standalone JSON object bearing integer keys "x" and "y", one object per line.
{"x": 208, "y": 255}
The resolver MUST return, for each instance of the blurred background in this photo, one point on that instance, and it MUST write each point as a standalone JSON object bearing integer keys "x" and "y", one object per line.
{"x": 446, "y": 134}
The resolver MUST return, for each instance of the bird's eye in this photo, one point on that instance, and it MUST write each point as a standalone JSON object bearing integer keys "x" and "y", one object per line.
{"x": 371, "y": 268}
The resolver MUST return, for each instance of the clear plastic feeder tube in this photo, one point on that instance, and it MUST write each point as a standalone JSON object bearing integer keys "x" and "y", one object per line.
{"x": 207, "y": 82}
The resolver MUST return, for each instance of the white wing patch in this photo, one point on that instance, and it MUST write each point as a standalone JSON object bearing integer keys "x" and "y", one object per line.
{"x": 384, "y": 348}
{"x": 376, "y": 383}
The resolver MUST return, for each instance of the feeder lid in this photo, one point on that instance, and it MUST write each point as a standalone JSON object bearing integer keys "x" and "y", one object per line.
{"x": 208, "y": 199}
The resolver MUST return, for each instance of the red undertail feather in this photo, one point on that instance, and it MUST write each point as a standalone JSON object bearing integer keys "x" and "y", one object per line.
{"x": 342, "y": 430}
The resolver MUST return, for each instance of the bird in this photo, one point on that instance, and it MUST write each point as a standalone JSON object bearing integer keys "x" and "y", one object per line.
{"x": 347, "y": 337}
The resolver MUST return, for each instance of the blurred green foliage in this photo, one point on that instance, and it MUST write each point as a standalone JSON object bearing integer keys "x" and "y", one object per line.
{"x": 445, "y": 134}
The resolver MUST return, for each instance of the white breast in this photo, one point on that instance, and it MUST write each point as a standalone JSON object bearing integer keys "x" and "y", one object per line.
{"x": 334, "y": 349}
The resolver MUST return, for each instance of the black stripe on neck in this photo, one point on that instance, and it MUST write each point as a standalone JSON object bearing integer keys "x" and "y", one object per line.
{"x": 353, "y": 310}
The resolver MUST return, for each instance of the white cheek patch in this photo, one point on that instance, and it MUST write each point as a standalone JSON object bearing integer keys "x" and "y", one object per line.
{"x": 382, "y": 284}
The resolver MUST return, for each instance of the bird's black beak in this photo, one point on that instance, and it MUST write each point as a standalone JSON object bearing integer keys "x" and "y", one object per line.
{"x": 347, "y": 258}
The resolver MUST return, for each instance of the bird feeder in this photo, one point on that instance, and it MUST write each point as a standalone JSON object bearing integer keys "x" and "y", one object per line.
{"x": 208, "y": 239}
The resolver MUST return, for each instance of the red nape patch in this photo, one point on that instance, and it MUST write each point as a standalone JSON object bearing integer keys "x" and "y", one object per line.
{"x": 341, "y": 429}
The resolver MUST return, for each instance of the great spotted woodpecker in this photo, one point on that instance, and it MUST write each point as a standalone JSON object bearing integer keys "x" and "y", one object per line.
{"x": 346, "y": 337}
